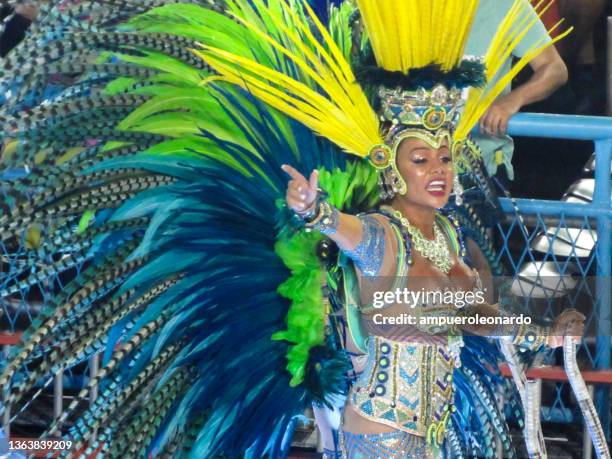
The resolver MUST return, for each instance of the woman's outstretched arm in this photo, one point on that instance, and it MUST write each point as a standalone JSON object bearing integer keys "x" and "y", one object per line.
{"x": 366, "y": 239}
{"x": 568, "y": 323}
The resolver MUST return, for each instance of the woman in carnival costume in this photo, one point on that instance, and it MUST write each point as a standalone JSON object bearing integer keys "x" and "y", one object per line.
{"x": 158, "y": 175}
{"x": 400, "y": 405}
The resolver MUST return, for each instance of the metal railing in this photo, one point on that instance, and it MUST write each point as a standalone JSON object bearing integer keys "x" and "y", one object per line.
{"x": 597, "y": 212}
{"x": 543, "y": 215}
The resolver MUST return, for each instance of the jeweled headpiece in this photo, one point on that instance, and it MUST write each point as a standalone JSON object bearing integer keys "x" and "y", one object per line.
{"x": 431, "y": 109}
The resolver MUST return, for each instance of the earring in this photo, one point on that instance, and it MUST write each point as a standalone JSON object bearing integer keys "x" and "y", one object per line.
{"x": 458, "y": 190}
{"x": 399, "y": 185}
{"x": 387, "y": 180}
{"x": 391, "y": 180}
{"x": 402, "y": 188}
{"x": 385, "y": 193}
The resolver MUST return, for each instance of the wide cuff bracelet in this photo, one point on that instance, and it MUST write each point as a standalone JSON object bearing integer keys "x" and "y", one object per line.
{"x": 325, "y": 219}
{"x": 531, "y": 337}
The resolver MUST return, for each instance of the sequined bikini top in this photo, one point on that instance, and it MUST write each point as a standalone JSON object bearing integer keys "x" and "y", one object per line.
{"x": 407, "y": 382}
{"x": 420, "y": 315}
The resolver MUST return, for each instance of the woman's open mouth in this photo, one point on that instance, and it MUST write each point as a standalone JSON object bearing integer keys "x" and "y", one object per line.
{"x": 436, "y": 187}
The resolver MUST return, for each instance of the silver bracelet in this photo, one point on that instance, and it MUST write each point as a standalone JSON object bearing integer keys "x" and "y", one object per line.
{"x": 325, "y": 220}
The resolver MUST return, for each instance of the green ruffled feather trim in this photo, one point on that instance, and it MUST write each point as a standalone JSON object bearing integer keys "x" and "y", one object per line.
{"x": 306, "y": 316}
{"x": 352, "y": 190}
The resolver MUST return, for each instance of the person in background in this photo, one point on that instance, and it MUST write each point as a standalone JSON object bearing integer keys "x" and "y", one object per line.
{"x": 16, "y": 26}
{"x": 549, "y": 73}
{"x": 580, "y": 54}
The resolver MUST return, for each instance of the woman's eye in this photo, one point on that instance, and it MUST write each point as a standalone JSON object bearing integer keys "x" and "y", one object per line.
{"x": 446, "y": 159}
{"x": 419, "y": 160}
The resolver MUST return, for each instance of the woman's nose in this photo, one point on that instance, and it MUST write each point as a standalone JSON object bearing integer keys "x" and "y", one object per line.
{"x": 438, "y": 165}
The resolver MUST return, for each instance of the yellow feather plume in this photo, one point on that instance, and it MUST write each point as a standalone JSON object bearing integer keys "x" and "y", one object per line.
{"x": 408, "y": 34}
{"x": 336, "y": 108}
{"x": 323, "y": 93}
{"x": 515, "y": 26}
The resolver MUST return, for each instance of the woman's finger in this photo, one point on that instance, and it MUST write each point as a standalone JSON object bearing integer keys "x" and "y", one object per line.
{"x": 294, "y": 184}
{"x": 579, "y": 316}
{"x": 294, "y": 206}
{"x": 299, "y": 187}
{"x": 297, "y": 205}
{"x": 294, "y": 194}
{"x": 572, "y": 314}
{"x": 313, "y": 182}
{"x": 293, "y": 173}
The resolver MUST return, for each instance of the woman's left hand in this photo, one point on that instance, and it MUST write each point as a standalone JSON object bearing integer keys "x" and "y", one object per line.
{"x": 568, "y": 323}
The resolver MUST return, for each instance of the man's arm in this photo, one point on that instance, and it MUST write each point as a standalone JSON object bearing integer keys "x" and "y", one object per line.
{"x": 550, "y": 73}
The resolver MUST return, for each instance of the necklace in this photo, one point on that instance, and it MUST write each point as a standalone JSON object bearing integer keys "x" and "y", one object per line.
{"x": 435, "y": 251}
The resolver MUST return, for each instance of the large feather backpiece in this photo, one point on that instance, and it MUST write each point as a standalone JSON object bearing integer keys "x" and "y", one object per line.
{"x": 158, "y": 201}
{"x": 149, "y": 206}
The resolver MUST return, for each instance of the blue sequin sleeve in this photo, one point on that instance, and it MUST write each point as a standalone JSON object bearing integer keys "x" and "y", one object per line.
{"x": 369, "y": 253}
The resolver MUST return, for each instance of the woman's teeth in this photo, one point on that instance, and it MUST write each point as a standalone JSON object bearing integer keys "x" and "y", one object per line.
{"x": 436, "y": 185}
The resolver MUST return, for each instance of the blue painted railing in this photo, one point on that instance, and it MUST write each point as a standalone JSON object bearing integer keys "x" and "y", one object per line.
{"x": 598, "y": 130}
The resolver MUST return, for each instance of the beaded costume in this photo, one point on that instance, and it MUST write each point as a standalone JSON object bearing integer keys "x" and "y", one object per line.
{"x": 142, "y": 209}
{"x": 407, "y": 382}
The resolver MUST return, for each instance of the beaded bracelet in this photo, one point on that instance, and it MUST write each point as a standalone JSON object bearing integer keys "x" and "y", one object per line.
{"x": 310, "y": 213}
{"x": 325, "y": 220}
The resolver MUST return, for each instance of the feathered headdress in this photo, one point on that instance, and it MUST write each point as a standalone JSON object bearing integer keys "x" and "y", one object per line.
{"x": 418, "y": 48}
{"x": 412, "y": 54}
